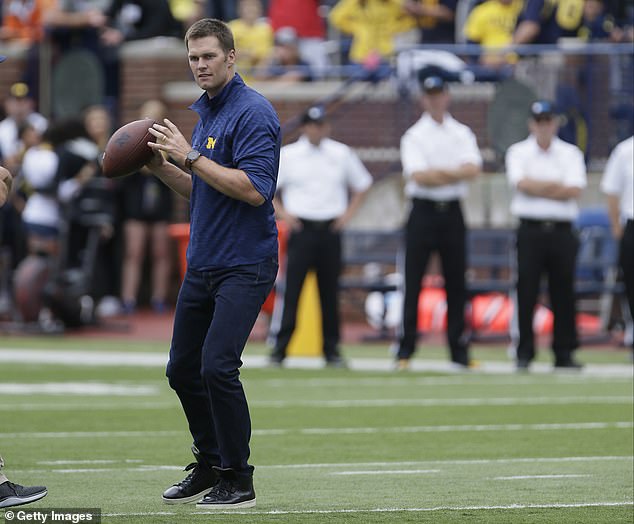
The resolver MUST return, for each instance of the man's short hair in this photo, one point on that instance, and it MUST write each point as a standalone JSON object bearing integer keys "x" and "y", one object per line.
{"x": 211, "y": 27}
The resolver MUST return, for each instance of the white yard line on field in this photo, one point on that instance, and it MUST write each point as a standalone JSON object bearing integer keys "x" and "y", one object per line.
{"x": 77, "y": 388}
{"x": 530, "y": 477}
{"x": 327, "y": 466}
{"x": 120, "y": 358}
{"x": 193, "y": 513}
{"x": 335, "y": 431}
{"x": 120, "y": 390}
{"x": 387, "y": 472}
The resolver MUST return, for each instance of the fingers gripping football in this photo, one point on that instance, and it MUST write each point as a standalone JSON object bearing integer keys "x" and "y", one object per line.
{"x": 170, "y": 140}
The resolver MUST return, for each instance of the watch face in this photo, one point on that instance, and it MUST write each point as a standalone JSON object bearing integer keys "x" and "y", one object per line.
{"x": 193, "y": 155}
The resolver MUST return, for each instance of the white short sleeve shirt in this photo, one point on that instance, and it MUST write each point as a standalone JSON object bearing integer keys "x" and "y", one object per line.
{"x": 618, "y": 178}
{"x": 562, "y": 163}
{"x": 314, "y": 181}
{"x": 428, "y": 145}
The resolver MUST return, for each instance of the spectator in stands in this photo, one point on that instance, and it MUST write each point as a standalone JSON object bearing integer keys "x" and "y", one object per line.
{"x": 315, "y": 178}
{"x": 253, "y": 36}
{"x": 131, "y": 20}
{"x": 304, "y": 17}
{"x": 618, "y": 185}
{"x": 221, "y": 9}
{"x": 599, "y": 24}
{"x": 20, "y": 110}
{"x": 548, "y": 176}
{"x": 147, "y": 210}
{"x": 491, "y": 25}
{"x": 545, "y": 22}
{"x": 41, "y": 215}
{"x": 373, "y": 25}
{"x": 439, "y": 156}
{"x": 187, "y": 11}
{"x": 22, "y": 20}
{"x": 285, "y": 63}
{"x": 137, "y": 20}
{"x": 436, "y": 19}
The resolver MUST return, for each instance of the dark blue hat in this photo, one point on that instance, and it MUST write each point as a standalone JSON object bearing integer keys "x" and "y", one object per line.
{"x": 543, "y": 109}
{"x": 433, "y": 83}
{"x": 314, "y": 114}
{"x": 2, "y": 58}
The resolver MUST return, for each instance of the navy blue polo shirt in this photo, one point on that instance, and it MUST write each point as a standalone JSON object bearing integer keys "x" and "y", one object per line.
{"x": 239, "y": 129}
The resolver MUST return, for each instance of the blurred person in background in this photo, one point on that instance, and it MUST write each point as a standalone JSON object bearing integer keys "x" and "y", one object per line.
{"x": 439, "y": 156}
{"x": 547, "y": 176}
{"x": 253, "y": 35}
{"x": 545, "y": 22}
{"x": 147, "y": 210}
{"x": 373, "y": 25}
{"x": 20, "y": 110}
{"x": 284, "y": 63}
{"x": 617, "y": 184}
{"x": 436, "y": 19}
{"x": 305, "y": 18}
{"x": 321, "y": 184}
{"x": 491, "y": 24}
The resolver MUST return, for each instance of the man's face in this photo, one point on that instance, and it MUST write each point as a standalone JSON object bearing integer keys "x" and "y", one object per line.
{"x": 316, "y": 131}
{"x": 212, "y": 68}
{"x": 436, "y": 101}
{"x": 544, "y": 128}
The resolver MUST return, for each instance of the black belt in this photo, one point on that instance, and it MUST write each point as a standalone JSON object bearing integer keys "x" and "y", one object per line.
{"x": 546, "y": 225}
{"x": 437, "y": 205}
{"x": 317, "y": 224}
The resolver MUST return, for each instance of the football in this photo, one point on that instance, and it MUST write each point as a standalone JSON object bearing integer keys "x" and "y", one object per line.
{"x": 127, "y": 150}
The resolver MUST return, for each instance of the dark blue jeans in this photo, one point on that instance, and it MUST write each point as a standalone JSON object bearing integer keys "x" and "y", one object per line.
{"x": 215, "y": 313}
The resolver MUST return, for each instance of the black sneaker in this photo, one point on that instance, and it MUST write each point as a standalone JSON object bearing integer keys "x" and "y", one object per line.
{"x": 15, "y": 495}
{"x": 569, "y": 364}
{"x": 231, "y": 491}
{"x": 336, "y": 362}
{"x": 193, "y": 487}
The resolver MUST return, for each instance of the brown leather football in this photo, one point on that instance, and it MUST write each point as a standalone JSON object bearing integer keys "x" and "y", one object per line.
{"x": 127, "y": 150}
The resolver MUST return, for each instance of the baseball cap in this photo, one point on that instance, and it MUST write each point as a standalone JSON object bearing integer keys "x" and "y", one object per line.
{"x": 19, "y": 90}
{"x": 433, "y": 84}
{"x": 542, "y": 109}
{"x": 314, "y": 114}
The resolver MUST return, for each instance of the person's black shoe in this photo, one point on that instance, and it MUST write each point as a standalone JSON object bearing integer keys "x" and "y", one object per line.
{"x": 231, "y": 491}
{"x": 15, "y": 495}
{"x": 569, "y": 364}
{"x": 523, "y": 365}
{"x": 192, "y": 488}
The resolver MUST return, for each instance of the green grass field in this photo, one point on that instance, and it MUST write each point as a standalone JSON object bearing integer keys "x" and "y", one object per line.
{"x": 328, "y": 445}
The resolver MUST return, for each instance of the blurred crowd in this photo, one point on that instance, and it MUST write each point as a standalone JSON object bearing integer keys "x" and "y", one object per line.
{"x": 55, "y": 159}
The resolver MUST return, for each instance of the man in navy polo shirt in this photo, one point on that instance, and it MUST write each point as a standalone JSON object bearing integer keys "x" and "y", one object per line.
{"x": 229, "y": 175}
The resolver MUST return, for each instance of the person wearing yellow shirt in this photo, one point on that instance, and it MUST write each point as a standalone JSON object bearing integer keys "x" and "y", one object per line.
{"x": 373, "y": 25}
{"x": 253, "y": 36}
{"x": 491, "y": 24}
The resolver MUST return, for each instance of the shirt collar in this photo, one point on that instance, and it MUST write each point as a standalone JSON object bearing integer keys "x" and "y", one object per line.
{"x": 204, "y": 103}
{"x": 308, "y": 144}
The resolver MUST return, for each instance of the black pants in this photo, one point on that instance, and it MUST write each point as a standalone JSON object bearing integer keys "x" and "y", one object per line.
{"x": 549, "y": 248}
{"x": 626, "y": 260}
{"x": 317, "y": 246}
{"x": 436, "y": 226}
{"x": 215, "y": 313}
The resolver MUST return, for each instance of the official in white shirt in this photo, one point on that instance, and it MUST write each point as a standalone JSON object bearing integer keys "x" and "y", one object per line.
{"x": 548, "y": 176}
{"x": 321, "y": 184}
{"x": 439, "y": 156}
{"x": 617, "y": 184}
